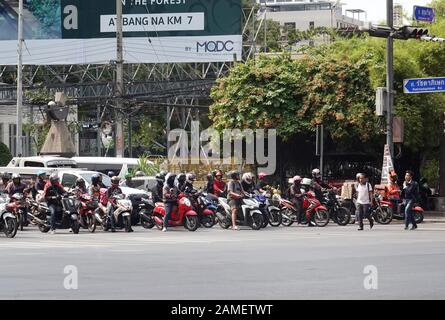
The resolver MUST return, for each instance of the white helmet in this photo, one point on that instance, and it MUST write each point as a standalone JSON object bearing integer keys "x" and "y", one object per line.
{"x": 316, "y": 173}
{"x": 306, "y": 182}
{"x": 248, "y": 178}
{"x": 16, "y": 176}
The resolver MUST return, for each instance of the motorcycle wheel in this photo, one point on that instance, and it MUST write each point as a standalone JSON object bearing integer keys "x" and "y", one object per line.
{"x": 11, "y": 227}
{"x": 285, "y": 221}
{"x": 321, "y": 218}
{"x": 191, "y": 223}
{"x": 127, "y": 224}
{"x": 44, "y": 228}
{"x": 147, "y": 224}
{"x": 91, "y": 224}
{"x": 208, "y": 221}
{"x": 343, "y": 216}
{"x": 418, "y": 217}
{"x": 383, "y": 215}
{"x": 75, "y": 226}
{"x": 256, "y": 221}
{"x": 275, "y": 218}
{"x": 159, "y": 226}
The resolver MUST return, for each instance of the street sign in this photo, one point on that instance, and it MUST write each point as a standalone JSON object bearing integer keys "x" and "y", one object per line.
{"x": 424, "y": 14}
{"x": 424, "y": 85}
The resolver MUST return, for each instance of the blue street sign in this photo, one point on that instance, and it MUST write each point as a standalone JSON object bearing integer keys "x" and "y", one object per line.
{"x": 424, "y": 14}
{"x": 425, "y": 85}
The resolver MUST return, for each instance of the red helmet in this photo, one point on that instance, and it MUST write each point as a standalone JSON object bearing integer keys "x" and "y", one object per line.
{"x": 297, "y": 179}
{"x": 262, "y": 175}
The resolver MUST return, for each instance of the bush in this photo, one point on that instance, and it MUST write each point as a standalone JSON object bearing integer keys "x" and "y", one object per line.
{"x": 5, "y": 155}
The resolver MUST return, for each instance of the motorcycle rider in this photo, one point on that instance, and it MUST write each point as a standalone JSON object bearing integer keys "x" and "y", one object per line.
{"x": 189, "y": 180}
{"x": 235, "y": 194}
{"x": 295, "y": 192}
{"x": 392, "y": 191}
{"x": 17, "y": 186}
{"x": 262, "y": 184}
{"x": 53, "y": 194}
{"x": 411, "y": 196}
{"x": 219, "y": 186}
{"x": 209, "y": 188}
{"x": 170, "y": 194}
{"x": 157, "y": 191}
{"x": 318, "y": 184}
{"x": 113, "y": 190}
{"x": 6, "y": 177}
{"x": 307, "y": 189}
{"x": 111, "y": 174}
{"x": 39, "y": 185}
{"x": 180, "y": 182}
{"x": 247, "y": 183}
{"x": 128, "y": 182}
{"x": 94, "y": 190}
{"x": 80, "y": 188}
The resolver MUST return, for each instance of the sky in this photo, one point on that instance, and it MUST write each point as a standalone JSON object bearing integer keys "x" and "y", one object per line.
{"x": 376, "y": 9}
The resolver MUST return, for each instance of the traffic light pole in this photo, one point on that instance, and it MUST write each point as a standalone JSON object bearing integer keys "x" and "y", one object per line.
{"x": 390, "y": 77}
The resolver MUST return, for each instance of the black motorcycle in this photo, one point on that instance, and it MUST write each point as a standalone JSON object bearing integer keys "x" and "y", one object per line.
{"x": 66, "y": 218}
{"x": 145, "y": 210}
{"x": 338, "y": 214}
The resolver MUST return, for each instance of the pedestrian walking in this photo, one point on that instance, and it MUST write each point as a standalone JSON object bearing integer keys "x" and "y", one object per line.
{"x": 411, "y": 195}
{"x": 364, "y": 194}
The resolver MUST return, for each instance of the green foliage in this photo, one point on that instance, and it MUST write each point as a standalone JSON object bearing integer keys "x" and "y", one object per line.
{"x": 39, "y": 97}
{"x": 293, "y": 96}
{"x": 48, "y": 14}
{"x": 5, "y": 155}
{"x": 38, "y": 132}
{"x": 147, "y": 167}
{"x": 430, "y": 171}
{"x": 147, "y": 132}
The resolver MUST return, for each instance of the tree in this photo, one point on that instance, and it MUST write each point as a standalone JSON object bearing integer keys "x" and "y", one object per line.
{"x": 5, "y": 155}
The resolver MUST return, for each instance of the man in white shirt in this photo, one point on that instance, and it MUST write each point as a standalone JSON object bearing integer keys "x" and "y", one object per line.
{"x": 363, "y": 191}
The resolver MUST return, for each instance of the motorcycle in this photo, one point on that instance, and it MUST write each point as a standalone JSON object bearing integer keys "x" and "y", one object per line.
{"x": 181, "y": 215}
{"x": 289, "y": 213}
{"x": 145, "y": 209}
{"x": 205, "y": 208}
{"x": 87, "y": 207}
{"x": 399, "y": 213}
{"x": 69, "y": 218}
{"x": 319, "y": 213}
{"x": 122, "y": 209}
{"x": 18, "y": 207}
{"x": 337, "y": 213}
{"x": 8, "y": 221}
{"x": 250, "y": 214}
{"x": 271, "y": 212}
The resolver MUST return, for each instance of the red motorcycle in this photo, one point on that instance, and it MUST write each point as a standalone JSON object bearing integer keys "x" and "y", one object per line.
{"x": 181, "y": 215}
{"x": 315, "y": 211}
{"x": 397, "y": 210}
{"x": 19, "y": 207}
{"x": 87, "y": 207}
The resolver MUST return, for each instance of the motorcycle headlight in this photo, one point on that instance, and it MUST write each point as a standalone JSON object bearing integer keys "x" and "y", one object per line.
{"x": 187, "y": 202}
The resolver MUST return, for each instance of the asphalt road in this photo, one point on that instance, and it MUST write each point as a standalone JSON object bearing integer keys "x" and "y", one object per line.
{"x": 276, "y": 263}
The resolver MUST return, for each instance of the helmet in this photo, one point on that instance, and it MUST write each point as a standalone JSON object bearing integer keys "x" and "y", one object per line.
{"x": 16, "y": 176}
{"x": 234, "y": 175}
{"x": 190, "y": 177}
{"x": 316, "y": 173}
{"x": 170, "y": 178}
{"x": 128, "y": 175}
{"x": 111, "y": 174}
{"x": 163, "y": 174}
{"x": 54, "y": 178}
{"x": 41, "y": 173}
{"x": 296, "y": 179}
{"x": 306, "y": 182}
{"x": 218, "y": 173}
{"x": 95, "y": 178}
{"x": 181, "y": 177}
{"x": 311, "y": 194}
{"x": 139, "y": 174}
{"x": 80, "y": 182}
{"x": 262, "y": 175}
{"x": 6, "y": 175}
{"x": 115, "y": 181}
{"x": 248, "y": 178}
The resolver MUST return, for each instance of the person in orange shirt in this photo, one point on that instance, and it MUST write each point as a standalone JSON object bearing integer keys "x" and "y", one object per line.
{"x": 392, "y": 191}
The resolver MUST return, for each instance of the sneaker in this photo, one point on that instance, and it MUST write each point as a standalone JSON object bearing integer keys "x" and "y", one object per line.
{"x": 413, "y": 227}
{"x": 406, "y": 228}
{"x": 52, "y": 231}
{"x": 131, "y": 230}
{"x": 113, "y": 230}
{"x": 70, "y": 230}
{"x": 360, "y": 229}
{"x": 164, "y": 229}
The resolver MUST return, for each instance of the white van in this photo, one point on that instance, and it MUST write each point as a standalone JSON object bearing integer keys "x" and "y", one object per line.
{"x": 105, "y": 165}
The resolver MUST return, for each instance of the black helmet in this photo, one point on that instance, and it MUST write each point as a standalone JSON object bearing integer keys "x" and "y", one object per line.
{"x": 115, "y": 181}
{"x": 163, "y": 174}
{"x": 235, "y": 175}
{"x": 170, "y": 178}
{"x": 111, "y": 174}
{"x": 95, "y": 178}
{"x": 181, "y": 177}
{"x": 80, "y": 182}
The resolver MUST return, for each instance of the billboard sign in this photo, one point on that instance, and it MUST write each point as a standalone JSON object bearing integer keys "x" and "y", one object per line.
{"x": 155, "y": 31}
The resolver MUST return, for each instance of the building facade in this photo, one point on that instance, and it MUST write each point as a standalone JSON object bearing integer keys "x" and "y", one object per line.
{"x": 306, "y": 14}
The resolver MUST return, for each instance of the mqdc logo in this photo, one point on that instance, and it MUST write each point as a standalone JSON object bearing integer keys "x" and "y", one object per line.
{"x": 215, "y": 46}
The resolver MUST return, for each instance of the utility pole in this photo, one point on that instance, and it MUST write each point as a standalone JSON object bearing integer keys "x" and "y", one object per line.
{"x": 265, "y": 28}
{"x": 119, "y": 82}
{"x": 390, "y": 77}
{"x": 18, "y": 149}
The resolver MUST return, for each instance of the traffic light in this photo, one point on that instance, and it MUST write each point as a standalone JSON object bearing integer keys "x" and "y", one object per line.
{"x": 377, "y": 31}
{"x": 408, "y": 32}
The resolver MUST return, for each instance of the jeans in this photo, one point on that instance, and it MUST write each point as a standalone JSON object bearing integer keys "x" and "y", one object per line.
{"x": 363, "y": 211}
{"x": 409, "y": 217}
{"x": 54, "y": 209}
{"x": 110, "y": 213}
{"x": 168, "y": 210}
